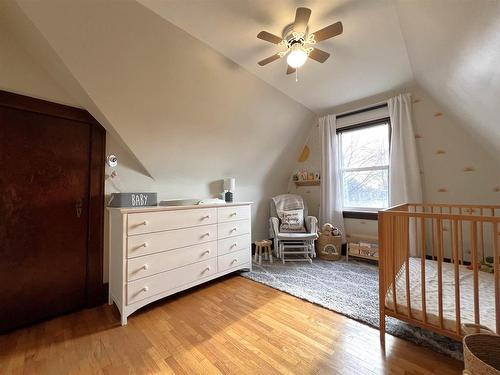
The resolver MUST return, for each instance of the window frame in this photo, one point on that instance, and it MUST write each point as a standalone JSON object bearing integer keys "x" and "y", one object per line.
{"x": 362, "y": 212}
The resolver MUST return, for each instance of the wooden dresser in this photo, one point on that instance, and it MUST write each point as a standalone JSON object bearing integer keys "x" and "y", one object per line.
{"x": 159, "y": 251}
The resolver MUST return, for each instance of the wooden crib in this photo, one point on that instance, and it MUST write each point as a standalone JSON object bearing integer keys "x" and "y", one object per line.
{"x": 429, "y": 267}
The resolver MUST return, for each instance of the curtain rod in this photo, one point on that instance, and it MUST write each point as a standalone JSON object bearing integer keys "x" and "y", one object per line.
{"x": 361, "y": 110}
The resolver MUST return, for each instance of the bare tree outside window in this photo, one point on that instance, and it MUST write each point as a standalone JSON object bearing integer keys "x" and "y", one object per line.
{"x": 364, "y": 158}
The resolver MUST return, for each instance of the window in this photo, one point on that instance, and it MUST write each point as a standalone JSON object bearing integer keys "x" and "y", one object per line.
{"x": 364, "y": 166}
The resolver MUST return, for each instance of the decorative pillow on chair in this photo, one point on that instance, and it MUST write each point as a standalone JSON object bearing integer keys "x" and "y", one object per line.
{"x": 292, "y": 221}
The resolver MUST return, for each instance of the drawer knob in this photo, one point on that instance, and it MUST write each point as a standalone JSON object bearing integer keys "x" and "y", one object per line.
{"x": 145, "y": 244}
{"x": 206, "y": 252}
{"x": 233, "y": 214}
{"x": 145, "y": 289}
{"x": 206, "y": 234}
{"x": 233, "y": 230}
{"x": 206, "y": 269}
{"x": 205, "y": 217}
{"x": 145, "y": 267}
{"x": 145, "y": 222}
{"x": 234, "y": 261}
{"x": 234, "y": 245}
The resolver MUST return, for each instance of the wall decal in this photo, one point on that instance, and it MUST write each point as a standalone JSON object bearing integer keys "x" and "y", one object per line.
{"x": 440, "y": 152}
{"x": 419, "y": 136}
{"x": 304, "y": 155}
{"x": 469, "y": 169}
{"x": 438, "y": 114}
{"x": 442, "y": 190}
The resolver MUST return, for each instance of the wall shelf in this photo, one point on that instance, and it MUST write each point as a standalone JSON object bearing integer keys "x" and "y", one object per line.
{"x": 307, "y": 183}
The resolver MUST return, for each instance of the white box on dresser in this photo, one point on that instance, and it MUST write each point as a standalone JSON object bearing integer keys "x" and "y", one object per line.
{"x": 159, "y": 251}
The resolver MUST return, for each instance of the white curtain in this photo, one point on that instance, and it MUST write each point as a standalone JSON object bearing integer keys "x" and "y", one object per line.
{"x": 330, "y": 209}
{"x": 405, "y": 184}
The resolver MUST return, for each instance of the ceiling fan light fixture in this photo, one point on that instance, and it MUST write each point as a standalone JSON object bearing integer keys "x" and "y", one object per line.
{"x": 297, "y": 56}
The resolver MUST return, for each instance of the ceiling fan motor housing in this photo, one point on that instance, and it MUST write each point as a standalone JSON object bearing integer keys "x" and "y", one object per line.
{"x": 288, "y": 35}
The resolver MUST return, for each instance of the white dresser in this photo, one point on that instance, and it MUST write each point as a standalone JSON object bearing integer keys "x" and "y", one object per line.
{"x": 158, "y": 251}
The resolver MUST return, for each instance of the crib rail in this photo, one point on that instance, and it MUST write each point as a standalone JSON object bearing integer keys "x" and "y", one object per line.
{"x": 449, "y": 238}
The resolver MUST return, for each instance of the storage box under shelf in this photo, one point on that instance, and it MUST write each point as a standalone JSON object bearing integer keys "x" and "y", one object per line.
{"x": 362, "y": 250}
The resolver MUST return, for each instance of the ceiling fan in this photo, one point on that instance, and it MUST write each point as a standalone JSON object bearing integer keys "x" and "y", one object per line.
{"x": 298, "y": 42}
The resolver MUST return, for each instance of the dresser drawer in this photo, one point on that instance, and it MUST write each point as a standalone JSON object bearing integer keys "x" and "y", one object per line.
{"x": 147, "y": 222}
{"x": 233, "y": 260}
{"x": 233, "y": 228}
{"x": 232, "y": 244}
{"x": 233, "y": 213}
{"x": 149, "y": 286}
{"x": 150, "y": 243}
{"x": 152, "y": 264}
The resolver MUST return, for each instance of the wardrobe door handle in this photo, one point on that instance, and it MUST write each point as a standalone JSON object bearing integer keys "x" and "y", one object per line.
{"x": 206, "y": 235}
{"x": 234, "y": 261}
{"x": 206, "y": 252}
{"x": 205, "y": 217}
{"x": 79, "y": 207}
{"x": 233, "y": 230}
{"x": 145, "y": 267}
{"x": 232, "y": 214}
{"x": 145, "y": 289}
{"x": 234, "y": 245}
{"x": 145, "y": 222}
{"x": 206, "y": 269}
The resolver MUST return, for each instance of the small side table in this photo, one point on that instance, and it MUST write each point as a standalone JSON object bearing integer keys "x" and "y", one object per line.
{"x": 263, "y": 246}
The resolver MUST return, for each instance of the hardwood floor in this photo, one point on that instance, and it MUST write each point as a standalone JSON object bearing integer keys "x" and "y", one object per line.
{"x": 234, "y": 326}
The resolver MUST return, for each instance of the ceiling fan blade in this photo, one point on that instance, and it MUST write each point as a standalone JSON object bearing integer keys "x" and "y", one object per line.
{"x": 289, "y": 69}
{"x": 301, "y": 19}
{"x": 269, "y": 60}
{"x": 268, "y": 37}
{"x": 319, "y": 55}
{"x": 328, "y": 32}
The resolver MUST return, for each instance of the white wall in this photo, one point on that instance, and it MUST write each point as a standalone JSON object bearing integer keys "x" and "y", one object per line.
{"x": 436, "y": 130}
{"x": 21, "y": 74}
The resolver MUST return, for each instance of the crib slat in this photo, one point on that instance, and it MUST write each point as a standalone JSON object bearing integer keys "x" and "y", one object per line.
{"x": 422, "y": 270}
{"x": 481, "y": 233}
{"x": 407, "y": 261}
{"x": 475, "y": 271}
{"x": 496, "y": 265}
{"x": 454, "y": 245}
{"x": 439, "y": 229}
{"x": 461, "y": 237}
{"x": 396, "y": 248}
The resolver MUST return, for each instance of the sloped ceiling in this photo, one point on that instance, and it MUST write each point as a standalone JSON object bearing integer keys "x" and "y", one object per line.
{"x": 368, "y": 58}
{"x": 449, "y": 48}
{"x": 454, "y": 49}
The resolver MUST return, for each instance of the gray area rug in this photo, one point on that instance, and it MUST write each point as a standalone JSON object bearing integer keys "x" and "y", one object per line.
{"x": 349, "y": 288}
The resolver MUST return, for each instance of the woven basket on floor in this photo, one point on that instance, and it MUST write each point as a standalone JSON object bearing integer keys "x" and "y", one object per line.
{"x": 482, "y": 354}
{"x": 329, "y": 247}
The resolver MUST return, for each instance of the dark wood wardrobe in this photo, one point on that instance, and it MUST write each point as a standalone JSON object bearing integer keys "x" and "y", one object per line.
{"x": 51, "y": 210}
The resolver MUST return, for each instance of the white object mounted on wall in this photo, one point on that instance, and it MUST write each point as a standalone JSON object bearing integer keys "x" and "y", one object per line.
{"x": 111, "y": 161}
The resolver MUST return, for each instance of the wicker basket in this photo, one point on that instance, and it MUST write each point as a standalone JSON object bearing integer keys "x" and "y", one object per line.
{"x": 329, "y": 247}
{"x": 482, "y": 354}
